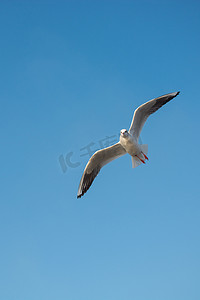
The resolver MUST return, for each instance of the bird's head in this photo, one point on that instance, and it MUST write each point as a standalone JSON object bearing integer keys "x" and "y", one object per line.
{"x": 124, "y": 133}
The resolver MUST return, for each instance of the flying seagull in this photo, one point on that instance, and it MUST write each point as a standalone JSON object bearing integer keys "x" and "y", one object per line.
{"x": 128, "y": 143}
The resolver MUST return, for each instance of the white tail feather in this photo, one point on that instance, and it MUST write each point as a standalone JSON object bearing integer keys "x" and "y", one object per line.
{"x": 135, "y": 162}
{"x": 144, "y": 148}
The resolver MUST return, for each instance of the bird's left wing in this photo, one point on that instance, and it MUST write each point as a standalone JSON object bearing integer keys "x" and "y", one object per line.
{"x": 145, "y": 110}
{"x": 96, "y": 162}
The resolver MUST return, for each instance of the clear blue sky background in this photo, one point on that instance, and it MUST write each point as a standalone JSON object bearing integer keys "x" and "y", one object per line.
{"x": 72, "y": 73}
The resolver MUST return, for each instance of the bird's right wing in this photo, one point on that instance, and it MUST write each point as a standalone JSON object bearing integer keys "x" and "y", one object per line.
{"x": 145, "y": 110}
{"x": 96, "y": 162}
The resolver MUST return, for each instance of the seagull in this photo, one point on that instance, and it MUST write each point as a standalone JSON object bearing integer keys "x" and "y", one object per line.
{"x": 128, "y": 143}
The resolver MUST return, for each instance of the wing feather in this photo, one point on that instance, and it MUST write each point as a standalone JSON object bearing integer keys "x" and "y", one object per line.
{"x": 96, "y": 162}
{"x": 145, "y": 110}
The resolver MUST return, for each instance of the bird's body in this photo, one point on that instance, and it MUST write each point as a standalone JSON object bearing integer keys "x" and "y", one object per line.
{"x": 138, "y": 152}
{"x": 128, "y": 143}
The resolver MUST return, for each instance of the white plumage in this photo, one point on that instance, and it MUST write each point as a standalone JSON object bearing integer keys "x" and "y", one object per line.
{"x": 128, "y": 143}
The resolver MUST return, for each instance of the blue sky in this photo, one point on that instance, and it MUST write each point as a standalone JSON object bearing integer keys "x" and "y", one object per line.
{"x": 72, "y": 73}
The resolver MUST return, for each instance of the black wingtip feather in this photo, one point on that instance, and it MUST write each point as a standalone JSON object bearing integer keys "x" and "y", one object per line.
{"x": 88, "y": 180}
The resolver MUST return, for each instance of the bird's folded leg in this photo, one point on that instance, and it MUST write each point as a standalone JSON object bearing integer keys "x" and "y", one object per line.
{"x": 140, "y": 159}
{"x": 145, "y": 156}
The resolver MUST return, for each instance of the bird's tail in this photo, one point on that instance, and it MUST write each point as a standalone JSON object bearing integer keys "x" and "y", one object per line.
{"x": 144, "y": 148}
{"x": 136, "y": 160}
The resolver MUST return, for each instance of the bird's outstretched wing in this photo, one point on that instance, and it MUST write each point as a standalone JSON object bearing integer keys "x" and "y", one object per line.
{"x": 96, "y": 162}
{"x": 145, "y": 110}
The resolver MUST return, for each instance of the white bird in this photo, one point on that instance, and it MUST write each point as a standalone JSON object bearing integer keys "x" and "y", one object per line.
{"x": 128, "y": 143}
